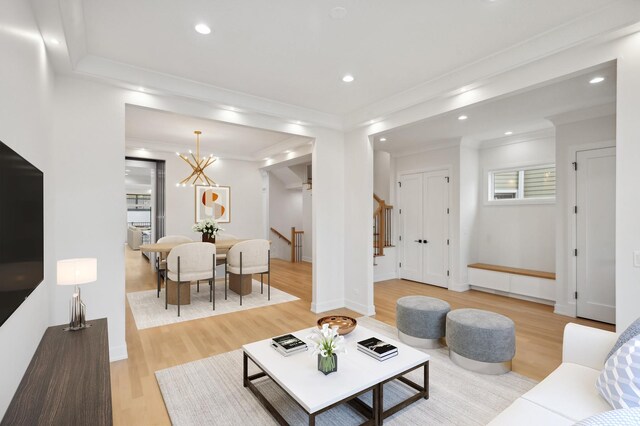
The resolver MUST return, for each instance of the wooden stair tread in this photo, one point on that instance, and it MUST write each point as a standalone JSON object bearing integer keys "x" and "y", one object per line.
{"x": 515, "y": 271}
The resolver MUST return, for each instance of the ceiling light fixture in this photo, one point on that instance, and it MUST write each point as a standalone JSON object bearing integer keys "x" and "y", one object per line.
{"x": 203, "y": 29}
{"x": 383, "y": 139}
{"x": 596, "y": 80}
{"x": 508, "y": 133}
{"x": 54, "y": 41}
{"x": 198, "y": 165}
{"x": 348, "y": 78}
{"x": 462, "y": 117}
{"x": 140, "y": 89}
{"x": 287, "y": 151}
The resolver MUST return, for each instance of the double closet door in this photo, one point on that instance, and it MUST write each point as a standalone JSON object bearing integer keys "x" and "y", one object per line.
{"x": 424, "y": 224}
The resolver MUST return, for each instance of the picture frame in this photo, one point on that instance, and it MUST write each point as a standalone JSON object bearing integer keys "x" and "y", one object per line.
{"x": 213, "y": 202}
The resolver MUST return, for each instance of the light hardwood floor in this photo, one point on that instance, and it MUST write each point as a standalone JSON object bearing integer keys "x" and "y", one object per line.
{"x": 136, "y": 396}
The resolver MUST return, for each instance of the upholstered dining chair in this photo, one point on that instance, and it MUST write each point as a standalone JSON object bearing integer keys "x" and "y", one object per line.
{"x": 161, "y": 264}
{"x": 250, "y": 257}
{"x": 192, "y": 262}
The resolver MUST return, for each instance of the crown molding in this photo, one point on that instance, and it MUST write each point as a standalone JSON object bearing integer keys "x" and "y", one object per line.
{"x": 434, "y": 146}
{"x": 589, "y": 113}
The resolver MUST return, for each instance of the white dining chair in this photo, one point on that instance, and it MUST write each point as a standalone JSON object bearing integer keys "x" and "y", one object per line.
{"x": 161, "y": 264}
{"x": 192, "y": 262}
{"x": 250, "y": 257}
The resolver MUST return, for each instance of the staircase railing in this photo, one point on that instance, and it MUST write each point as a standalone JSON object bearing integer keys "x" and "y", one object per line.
{"x": 275, "y": 231}
{"x": 382, "y": 235}
{"x": 296, "y": 246}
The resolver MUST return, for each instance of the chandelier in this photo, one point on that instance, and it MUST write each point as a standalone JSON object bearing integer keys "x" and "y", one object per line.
{"x": 198, "y": 165}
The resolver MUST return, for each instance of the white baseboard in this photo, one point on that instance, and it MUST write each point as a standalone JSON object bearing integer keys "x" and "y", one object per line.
{"x": 459, "y": 287}
{"x": 307, "y": 259}
{"x": 566, "y": 310}
{"x": 385, "y": 276}
{"x": 117, "y": 353}
{"x": 360, "y": 308}
{"x": 317, "y": 308}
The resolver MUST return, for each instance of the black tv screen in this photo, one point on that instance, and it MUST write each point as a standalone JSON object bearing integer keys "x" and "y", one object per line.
{"x": 21, "y": 230}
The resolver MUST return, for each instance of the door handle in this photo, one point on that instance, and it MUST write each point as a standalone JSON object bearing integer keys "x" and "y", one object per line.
{"x": 425, "y": 241}
{"x": 418, "y": 241}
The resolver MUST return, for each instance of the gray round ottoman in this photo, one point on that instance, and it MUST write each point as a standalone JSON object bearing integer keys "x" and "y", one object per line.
{"x": 481, "y": 341}
{"x": 421, "y": 321}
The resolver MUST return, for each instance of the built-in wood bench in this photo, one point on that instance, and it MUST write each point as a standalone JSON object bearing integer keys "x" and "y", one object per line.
{"x": 515, "y": 282}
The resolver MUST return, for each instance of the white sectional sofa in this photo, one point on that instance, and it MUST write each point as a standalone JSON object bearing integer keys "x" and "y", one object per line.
{"x": 569, "y": 394}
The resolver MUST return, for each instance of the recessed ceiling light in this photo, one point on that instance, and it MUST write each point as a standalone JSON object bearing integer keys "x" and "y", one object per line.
{"x": 127, "y": 170}
{"x": 287, "y": 151}
{"x": 54, "y": 41}
{"x": 508, "y": 133}
{"x": 267, "y": 159}
{"x": 462, "y": 117}
{"x": 383, "y": 139}
{"x": 140, "y": 89}
{"x": 203, "y": 29}
{"x": 596, "y": 80}
{"x": 348, "y": 78}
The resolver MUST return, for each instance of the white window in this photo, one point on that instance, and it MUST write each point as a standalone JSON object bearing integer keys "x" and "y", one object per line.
{"x": 534, "y": 183}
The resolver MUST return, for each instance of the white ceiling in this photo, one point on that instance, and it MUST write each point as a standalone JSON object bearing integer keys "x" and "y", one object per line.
{"x": 166, "y": 131}
{"x": 293, "y": 51}
{"x": 519, "y": 113}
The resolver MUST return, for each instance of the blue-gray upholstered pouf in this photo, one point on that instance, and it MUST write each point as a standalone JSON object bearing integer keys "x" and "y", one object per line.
{"x": 481, "y": 341}
{"x": 421, "y": 320}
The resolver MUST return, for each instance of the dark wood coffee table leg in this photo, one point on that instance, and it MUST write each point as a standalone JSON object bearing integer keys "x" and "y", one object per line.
{"x": 423, "y": 392}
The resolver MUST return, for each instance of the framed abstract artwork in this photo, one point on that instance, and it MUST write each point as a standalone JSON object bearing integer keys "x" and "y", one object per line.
{"x": 213, "y": 202}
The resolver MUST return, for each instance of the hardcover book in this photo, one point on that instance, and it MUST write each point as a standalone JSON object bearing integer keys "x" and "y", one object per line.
{"x": 379, "y": 358}
{"x": 377, "y": 346}
{"x": 289, "y": 342}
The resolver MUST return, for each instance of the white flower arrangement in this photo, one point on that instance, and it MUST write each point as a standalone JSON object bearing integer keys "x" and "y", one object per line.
{"x": 327, "y": 341}
{"x": 207, "y": 226}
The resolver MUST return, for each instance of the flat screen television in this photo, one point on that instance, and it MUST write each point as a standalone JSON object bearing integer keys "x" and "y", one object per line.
{"x": 21, "y": 230}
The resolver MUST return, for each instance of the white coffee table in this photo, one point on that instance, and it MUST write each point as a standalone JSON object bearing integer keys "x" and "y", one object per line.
{"x": 357, "y": 374}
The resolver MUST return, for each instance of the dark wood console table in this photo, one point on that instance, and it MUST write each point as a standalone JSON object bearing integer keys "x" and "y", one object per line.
{"x": 68, "y": 380}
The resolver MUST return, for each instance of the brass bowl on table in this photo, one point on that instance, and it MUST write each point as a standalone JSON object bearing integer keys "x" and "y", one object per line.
{"x": 345, "y": 324}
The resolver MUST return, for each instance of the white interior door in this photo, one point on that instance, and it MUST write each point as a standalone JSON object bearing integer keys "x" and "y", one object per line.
{"x": 411, "y": 189}
{"x": 424, "y": 200}
{"x": 596, "y": 200}
{"x": 435, "y": 228}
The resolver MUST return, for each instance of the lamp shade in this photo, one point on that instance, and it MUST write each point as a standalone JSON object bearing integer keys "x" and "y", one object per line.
{"x": 77, "y": 271}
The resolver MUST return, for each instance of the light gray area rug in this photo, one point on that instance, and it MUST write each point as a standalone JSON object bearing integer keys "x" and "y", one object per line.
{"x": 148, "y": 310}
{"x": 210, "y": 392}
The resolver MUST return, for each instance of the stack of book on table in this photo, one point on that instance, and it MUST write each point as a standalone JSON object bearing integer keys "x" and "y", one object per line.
{"x": 377, "y": 348}
{"x": 288, "y": 344}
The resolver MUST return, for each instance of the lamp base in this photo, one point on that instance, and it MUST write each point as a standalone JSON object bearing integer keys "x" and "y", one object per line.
{"x": 77, "y": 311}
{"x": 77, "y": 328}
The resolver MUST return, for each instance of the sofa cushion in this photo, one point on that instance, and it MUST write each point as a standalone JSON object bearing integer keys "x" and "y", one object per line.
{"x": 626, "y": 417}
{"x": 526, "y": 413}
{"x": 619, "y": 382}
{"x": 632, "y": 331}
{"x": 569, "y": 391}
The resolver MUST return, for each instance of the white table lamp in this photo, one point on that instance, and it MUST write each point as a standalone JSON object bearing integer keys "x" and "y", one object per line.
{"x": 76, "y": 272}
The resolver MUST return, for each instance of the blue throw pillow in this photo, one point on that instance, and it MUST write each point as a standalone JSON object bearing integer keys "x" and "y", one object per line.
{"x": 632, "y": 331}
{"x": 619, "y": 382}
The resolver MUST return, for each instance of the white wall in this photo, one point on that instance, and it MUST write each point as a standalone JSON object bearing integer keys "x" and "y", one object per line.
{"x": 440, "y": 159}
{"x": 90, "y": 208}
{"x": 25, "y": 126}
{"x": 382, "y": 175}
{"x": 307, "y": 225}
{"x": 518, "y": 235}
{"x": 569, "y": 137}
{"x": 469, "y": 202}
{"x": 285, "y": 211}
